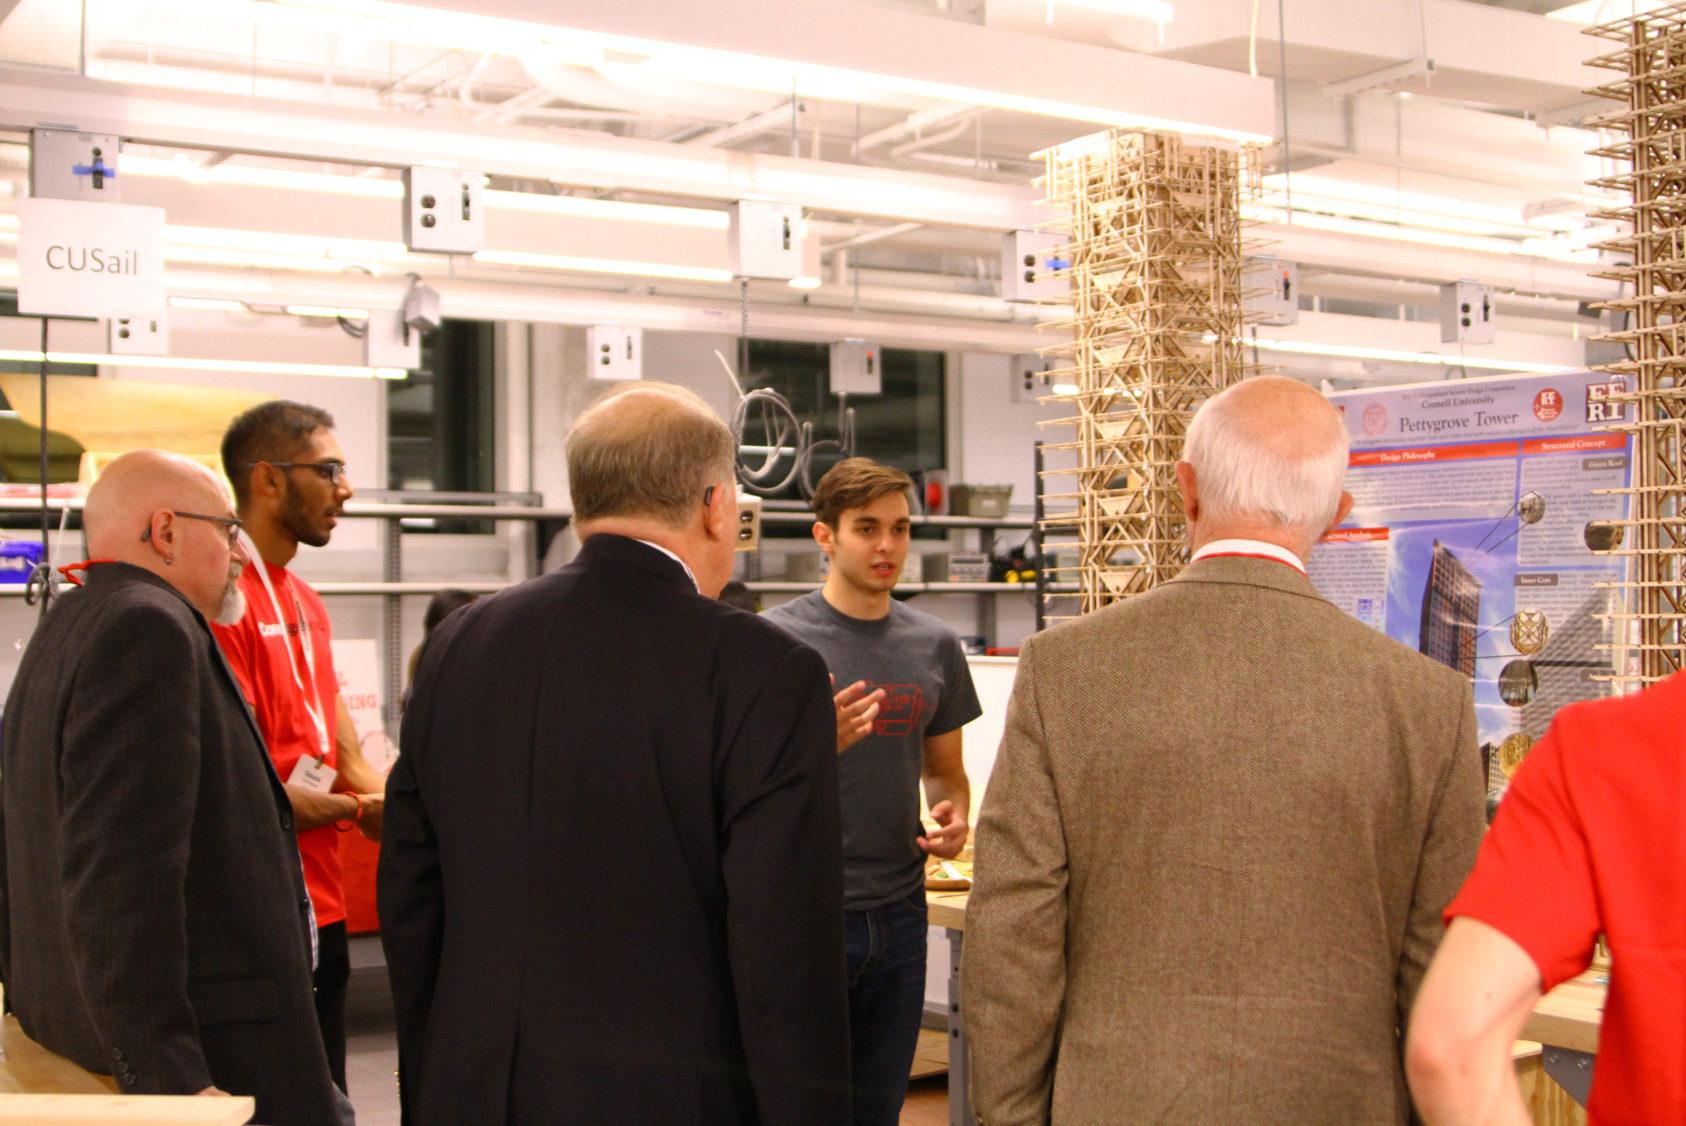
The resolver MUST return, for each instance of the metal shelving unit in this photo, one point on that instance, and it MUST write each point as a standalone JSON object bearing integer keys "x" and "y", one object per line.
{"x": 796, "y": 513}
{"x": 393, "y": 508}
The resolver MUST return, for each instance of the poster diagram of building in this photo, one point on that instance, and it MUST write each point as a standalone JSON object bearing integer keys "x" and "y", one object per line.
{"x": 1468, "y": 539}
{"x": 1451, "y": 612}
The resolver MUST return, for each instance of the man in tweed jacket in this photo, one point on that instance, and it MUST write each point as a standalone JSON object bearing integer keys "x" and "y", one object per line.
{"x": 1222, "y": 825}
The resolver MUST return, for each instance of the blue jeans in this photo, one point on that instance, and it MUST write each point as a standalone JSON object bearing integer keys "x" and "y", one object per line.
{"x": 886, "y": 958}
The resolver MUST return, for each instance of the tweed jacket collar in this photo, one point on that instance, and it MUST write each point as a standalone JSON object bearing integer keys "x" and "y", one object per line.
{"x": 1236, "y": 570}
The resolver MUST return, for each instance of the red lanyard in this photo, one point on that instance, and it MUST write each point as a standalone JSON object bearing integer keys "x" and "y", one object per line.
{"x": 69, "y": 569}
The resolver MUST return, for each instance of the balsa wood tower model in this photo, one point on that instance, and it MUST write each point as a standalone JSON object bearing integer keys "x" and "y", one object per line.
{"x": 1651, "y": 59}
{"x": 1156, "y": 328}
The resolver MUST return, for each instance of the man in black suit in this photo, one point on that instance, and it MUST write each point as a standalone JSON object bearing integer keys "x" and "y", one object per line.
{"x": 154, "y": 923}
{"x": 611, "y": 879}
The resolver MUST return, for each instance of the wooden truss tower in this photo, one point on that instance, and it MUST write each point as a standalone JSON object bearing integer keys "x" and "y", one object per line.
{"x": 1155, "y": 261}
{"x": 1651, "y": 131}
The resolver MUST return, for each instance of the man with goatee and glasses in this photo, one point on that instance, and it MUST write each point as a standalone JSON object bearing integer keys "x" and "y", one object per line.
{"x": 155, "y": 925}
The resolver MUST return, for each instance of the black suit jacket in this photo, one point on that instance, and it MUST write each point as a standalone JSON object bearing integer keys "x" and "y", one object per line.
{"x": 611, "y": 880}
{"x": 154, "y": 924}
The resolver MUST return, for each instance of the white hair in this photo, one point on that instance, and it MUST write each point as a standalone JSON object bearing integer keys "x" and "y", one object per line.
{"x": 1243, "y": 474}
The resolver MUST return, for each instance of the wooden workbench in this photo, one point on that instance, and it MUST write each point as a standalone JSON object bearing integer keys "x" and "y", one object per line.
{"x": 1566, "y": 1018}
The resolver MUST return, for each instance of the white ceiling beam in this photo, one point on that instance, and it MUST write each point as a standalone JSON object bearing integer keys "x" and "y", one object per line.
{"x": 1337, "y": 330}
{"x": 1383, "y": 258}
{"x": 1482, "y": 54}
{"x": 916, "y": 51}
{"x": 319, "y": 133}
{"x": 501, "y": 301}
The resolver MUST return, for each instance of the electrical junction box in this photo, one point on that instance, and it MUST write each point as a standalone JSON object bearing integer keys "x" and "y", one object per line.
{"x": 764, "y": 240}
{"x": 1271, "y": 291}
{"x": 749, "y": 523}
{"x": 613, "y": 352}
{"x": 388, "y": 342}
{"x": 67, "y": 165}
{"x": 1030, "y": 378}
{"x": 1029, "y": 260}
{"x": 442, "y": 211}
{"x": 1467, "y": 313}
{"x": 137, "y": 336}
{"x": 854, "y": 368}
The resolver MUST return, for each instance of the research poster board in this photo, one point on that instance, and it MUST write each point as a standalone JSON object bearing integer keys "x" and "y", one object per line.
{"x": 1468, "y": 536}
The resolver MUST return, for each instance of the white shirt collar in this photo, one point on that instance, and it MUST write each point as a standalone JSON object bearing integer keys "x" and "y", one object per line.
{"x": 1250, "y": 547}
{"x": 676, "y": 559}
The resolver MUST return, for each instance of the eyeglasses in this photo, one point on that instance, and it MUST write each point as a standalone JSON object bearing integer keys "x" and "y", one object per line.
{"x": 333, "y": 471}
{"x": 231, "y": 524}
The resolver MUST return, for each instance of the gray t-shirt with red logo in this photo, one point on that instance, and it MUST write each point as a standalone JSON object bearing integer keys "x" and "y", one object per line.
{"x": 919, "y": 663}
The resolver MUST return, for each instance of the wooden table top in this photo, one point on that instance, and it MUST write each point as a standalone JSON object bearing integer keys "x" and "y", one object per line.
{"x": 1567, "y": 1017}
{"x": 38, "y": 1086}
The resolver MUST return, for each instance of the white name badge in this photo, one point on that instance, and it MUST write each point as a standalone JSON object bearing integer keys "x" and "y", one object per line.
{"x": 313, "y": 774}
{"x": 80, "y": 259}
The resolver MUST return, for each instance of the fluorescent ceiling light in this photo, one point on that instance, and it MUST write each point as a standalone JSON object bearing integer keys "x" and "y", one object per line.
{"x": 241, "y": 175}
{"x": 628, "y": 60}
{"x": 265, "y": 250}
{"x": 328, "y": 183}
{"x": 254, "y": 260}
{"x": 269, "y": 242}
{"x": 702, "y": 217}
{"x": 1401, "y": 356}
{"x": 178, "y": 363}
{"x": 805, "y": 283}
{"x": 326, "y": 311}
{"x": 1419, "y": 206}
{"x": 209, "y": 304}
{"x": 1532, "y": 248}
{"x": 602, "y": 266}
{"x": 1382, "y": 213}
{"x": 1064, "y": 388}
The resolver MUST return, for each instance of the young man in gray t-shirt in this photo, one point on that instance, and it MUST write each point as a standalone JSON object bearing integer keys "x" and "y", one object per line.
{"x": 906, "y": 691}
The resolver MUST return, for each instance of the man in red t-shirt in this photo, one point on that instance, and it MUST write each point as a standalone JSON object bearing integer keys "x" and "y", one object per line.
{"x": 1587, "y": 840}
{"x": 289, "y": 485}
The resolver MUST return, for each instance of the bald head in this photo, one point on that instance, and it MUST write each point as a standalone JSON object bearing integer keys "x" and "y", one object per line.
{"x": 1269, "y": 452}
{"x": 121, "y": 503}
{"x": 650, "y": 450}
{"x": 162, "y": 512}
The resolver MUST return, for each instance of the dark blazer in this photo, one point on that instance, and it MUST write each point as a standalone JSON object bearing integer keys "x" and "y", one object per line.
{"x": 611, "y": 877}
{"x": 154, "y": 923}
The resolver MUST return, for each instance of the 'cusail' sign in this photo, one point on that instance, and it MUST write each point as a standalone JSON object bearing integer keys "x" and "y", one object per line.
{"x": 79, "y": 259}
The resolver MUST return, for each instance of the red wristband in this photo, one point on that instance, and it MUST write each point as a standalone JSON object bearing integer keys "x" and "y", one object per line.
{"x": 344, "y": 825}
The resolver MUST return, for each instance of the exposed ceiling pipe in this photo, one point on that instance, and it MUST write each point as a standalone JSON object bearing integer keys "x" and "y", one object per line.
{"x": 865, "y": 237}
{"x": 513, "y": 106}
{"x": 915, "y": 123}
{"x": 902, "y": 151}
{"x": 613, "y": 88}
{"x": 776, "y": 118}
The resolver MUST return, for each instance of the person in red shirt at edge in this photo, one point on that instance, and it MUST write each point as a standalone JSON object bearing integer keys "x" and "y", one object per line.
{"x": 1587, "y": 840}
{"x": 290, "y": 486}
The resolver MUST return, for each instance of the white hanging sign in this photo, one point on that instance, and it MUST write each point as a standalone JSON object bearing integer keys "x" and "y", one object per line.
{"x": 78, "y": 259}
{"x": 357, "y": 665}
